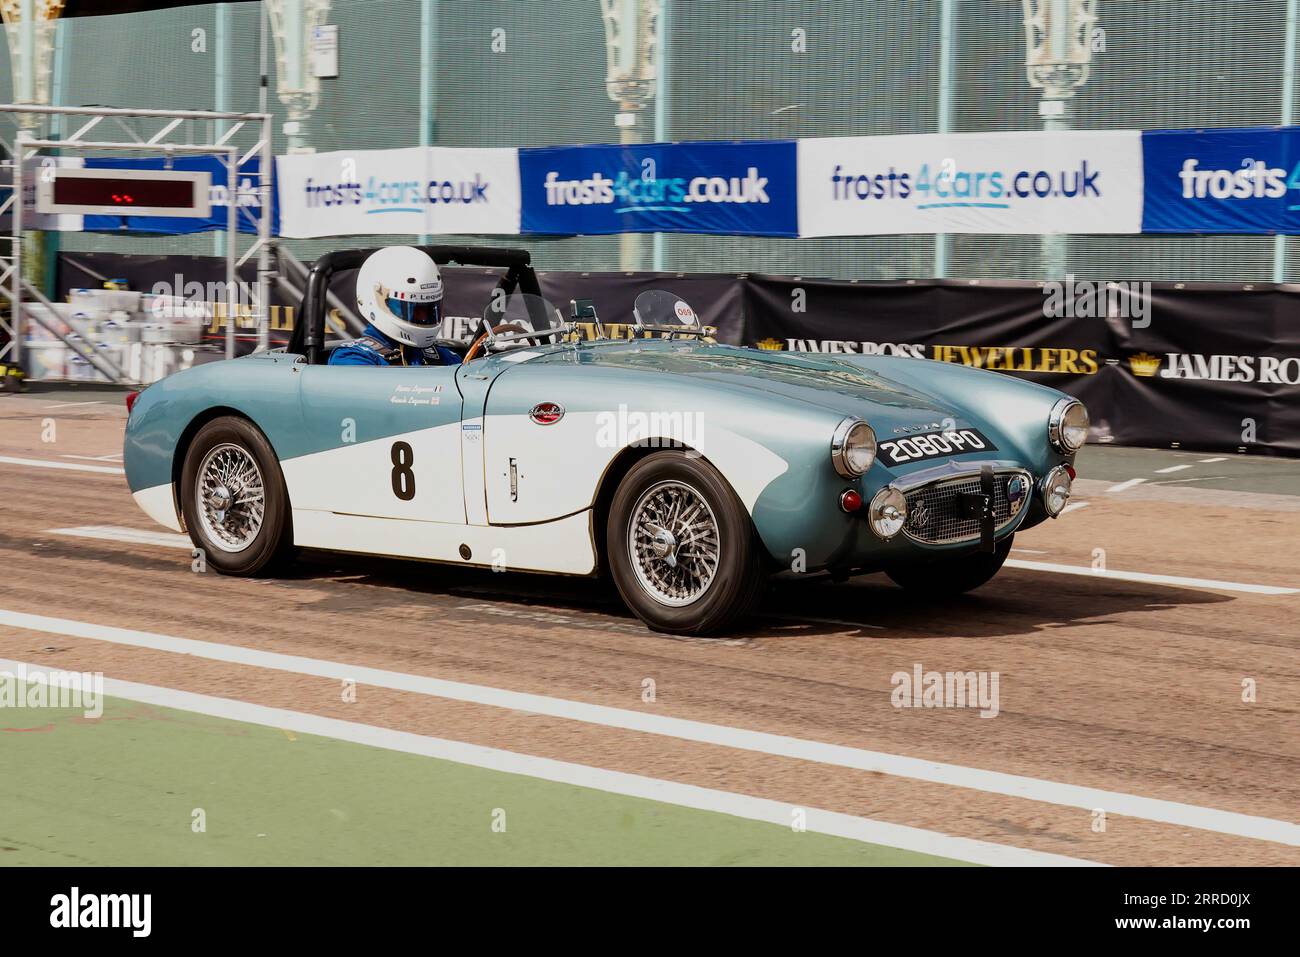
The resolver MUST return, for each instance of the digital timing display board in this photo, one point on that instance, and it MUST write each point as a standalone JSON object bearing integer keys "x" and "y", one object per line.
{"x": 123, "y": 192}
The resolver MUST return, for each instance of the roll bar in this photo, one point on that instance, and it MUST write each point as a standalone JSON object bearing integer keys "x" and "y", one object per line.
{"x": 309, "y": 331}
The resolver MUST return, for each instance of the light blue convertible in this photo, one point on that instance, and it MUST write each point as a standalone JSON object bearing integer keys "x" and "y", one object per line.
{"x": 687, "y": 470}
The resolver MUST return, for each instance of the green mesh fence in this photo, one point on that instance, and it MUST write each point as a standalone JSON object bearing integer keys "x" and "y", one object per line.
{"x": 733, "y": 72}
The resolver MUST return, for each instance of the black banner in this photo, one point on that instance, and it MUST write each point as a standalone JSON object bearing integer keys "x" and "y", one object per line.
{"x": 1212, "y": 367}
{"x": 330, "y": 908}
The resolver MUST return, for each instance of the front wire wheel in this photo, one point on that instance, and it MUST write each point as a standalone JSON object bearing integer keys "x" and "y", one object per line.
{"x": 673, "y": 539}
{"x": 681, "y": 547}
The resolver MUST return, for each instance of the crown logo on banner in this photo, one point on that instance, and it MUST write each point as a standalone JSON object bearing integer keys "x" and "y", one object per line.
{"x": 770, "y": 345}
{"x": 1144, "y": 364}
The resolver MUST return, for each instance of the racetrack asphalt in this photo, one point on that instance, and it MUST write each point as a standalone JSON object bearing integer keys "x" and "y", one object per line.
{"x": 1129, "y": 687}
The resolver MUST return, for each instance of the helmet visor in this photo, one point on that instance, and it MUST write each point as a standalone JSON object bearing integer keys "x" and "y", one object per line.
{"x": 416, "y": 313}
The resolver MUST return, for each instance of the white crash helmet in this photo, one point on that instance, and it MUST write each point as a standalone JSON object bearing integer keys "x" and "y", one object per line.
{"x": 399, "y": 290}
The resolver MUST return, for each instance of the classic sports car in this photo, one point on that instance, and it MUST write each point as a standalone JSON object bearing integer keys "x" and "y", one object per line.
{"x": 687, "y": 470}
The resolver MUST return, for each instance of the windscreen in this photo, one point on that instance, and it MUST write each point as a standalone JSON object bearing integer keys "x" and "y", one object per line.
{"x": 659, "y": 307}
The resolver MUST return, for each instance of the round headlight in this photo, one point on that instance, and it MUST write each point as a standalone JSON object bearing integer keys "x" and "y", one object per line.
{"x": 888, "y": 512}
{"x": 1067, "y": 426}
{"x": 1056, "y": 491}
{"x": 853, "y": 448}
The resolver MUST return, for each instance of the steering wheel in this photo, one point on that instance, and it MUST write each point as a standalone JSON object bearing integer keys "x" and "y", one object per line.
{"x": 479, "y": 343}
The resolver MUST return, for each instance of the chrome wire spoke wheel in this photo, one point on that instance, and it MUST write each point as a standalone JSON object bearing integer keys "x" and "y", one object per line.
{"x": 230, "y": 497}
{"x": 673, "y": 541}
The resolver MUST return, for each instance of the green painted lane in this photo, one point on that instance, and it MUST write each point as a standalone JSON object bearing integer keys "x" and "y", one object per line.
{"x": 152, "y": 786}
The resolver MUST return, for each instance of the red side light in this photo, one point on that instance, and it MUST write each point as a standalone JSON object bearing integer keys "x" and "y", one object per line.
{"x": 130, "y": 401}
{"x": 850, "y": 500}
{"x": 1069, "y": 470}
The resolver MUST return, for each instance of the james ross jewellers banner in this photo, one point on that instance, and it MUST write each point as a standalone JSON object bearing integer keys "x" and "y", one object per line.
{"x": 1207, "y": 366}
{"x": 1213, "y": 367}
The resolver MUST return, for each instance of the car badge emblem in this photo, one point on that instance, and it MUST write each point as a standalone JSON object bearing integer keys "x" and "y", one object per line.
{"x": 1015, "y": 491}
{"x": 920, "y": 515}
{"x": 546, "y": 413}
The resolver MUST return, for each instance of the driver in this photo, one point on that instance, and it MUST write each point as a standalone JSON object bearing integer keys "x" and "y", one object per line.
{"x": 399, "y": 293}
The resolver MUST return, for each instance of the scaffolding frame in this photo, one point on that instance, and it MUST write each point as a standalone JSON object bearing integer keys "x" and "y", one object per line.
{"x": 172, "y": 137}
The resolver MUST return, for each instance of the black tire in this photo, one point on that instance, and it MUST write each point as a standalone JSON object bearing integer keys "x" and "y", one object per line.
{"x": 952, "y": 576}
{"x": 272, "y": 545}
{"x": 738, "y": 573}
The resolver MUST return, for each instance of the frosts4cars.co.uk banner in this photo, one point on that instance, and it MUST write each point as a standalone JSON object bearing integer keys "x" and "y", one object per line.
{"x": 1024, "y": 182}
{"x": 400, "y": 192}
{"x": 1221, "y": 181}
{"x": 741, "y": 188}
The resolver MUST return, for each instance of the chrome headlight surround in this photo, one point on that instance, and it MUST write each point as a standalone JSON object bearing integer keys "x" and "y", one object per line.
{"x": 1056, "y": 491}
{"x": 887, "y": 513}
{"x": 1064, "y": 421}
{"x": 853, "y": 448}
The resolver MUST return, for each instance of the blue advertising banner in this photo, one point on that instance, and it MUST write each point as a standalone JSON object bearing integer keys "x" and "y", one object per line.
{"x": 1221, "y": 181}
{"x": 737, "y": 188}
{"x": 246, "y": 193}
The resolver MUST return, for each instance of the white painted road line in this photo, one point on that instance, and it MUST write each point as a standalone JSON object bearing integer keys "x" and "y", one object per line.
{"x": 1124, "y": 486}
{"x": 68, "y": 405}
{"x": 1209, "y": 461}
{"x": 71, "y": 466}
{"x": 1072, "y": 507}
{"x": 579, "y": 775}
{"x": 111, "y": 457}
{"x": 133, "y": 536}
{"x": 955, "y": 775}
{"x": 1149, "y": 578}
{"x": 1172, "y": 468}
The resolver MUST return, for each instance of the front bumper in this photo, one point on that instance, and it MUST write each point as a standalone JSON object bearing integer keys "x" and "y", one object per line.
{"x": 954, "y": 506}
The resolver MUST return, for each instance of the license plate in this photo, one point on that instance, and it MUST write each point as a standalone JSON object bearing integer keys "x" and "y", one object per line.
{"x": 934, "y": 445}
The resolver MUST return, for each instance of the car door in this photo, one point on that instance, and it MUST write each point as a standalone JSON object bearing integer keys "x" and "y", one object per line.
{"x": 384, "y": 441}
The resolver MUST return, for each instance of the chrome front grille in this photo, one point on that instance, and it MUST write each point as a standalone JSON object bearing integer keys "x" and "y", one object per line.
{"x": 934, "y": 514}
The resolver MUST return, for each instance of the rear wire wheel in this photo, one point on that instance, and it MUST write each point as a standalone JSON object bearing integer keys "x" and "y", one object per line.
{"x": 681, "y": 547}
{"x": 234, "y": 499}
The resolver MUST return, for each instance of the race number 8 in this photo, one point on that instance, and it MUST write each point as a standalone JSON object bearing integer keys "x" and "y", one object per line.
{"x": 403, "y": 477}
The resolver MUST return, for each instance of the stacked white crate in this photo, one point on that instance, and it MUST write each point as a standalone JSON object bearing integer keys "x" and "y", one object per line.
{"x": 146, "y": 336}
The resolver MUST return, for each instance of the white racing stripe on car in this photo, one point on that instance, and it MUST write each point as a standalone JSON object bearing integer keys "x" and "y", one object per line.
{"x": 70, "y": 466}
{"x": 935, "y": 772}
{"x": 132, "y": 536}
{"x": 1149, "y": 578}
{"x": 744, "y": 806}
